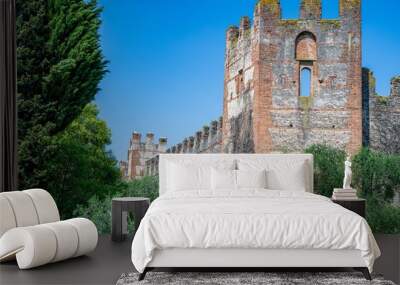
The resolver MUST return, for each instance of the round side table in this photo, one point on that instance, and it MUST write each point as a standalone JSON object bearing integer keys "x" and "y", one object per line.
{"x": 120, "y": 209}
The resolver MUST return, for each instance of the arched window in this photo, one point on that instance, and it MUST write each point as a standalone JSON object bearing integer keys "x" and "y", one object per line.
{"x": 306, "y": 55}
{"x": 305, "y": 82}
{"x": 306, "y": 46}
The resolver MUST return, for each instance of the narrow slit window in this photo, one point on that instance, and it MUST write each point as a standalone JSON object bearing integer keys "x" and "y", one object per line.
{"x": 305, "y": 82}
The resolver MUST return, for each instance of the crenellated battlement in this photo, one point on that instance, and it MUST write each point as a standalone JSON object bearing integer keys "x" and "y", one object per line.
{"x": 269, "y": 8}
{"x": 348, "y": 7}
{"x": 311, "y": 9}
{"x": 208, "y": 140}
{"x": 395, "y": 86}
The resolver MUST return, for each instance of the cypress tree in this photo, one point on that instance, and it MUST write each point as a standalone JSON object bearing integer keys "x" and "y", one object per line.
{"x": 60, "y": 65}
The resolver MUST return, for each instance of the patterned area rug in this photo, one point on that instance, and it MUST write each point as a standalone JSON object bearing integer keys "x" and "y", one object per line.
{"x": 229, "y": 278}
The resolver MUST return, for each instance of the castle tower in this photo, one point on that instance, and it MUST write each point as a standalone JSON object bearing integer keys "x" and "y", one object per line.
{"x": 293, "y": 83}
{"x": 134, "y": 154}
{"x": 139, "y": 153}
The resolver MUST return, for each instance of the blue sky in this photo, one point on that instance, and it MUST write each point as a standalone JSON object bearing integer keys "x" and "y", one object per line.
{"x": 167, "y": 60}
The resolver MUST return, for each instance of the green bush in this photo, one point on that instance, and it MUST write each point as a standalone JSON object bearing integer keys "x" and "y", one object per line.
{"x": 383, "y": 217}
{"x": 98, "y": 209}
{"x": 144, "y": 187}
{"x": 328, "y": 168}
{"x": 375, "y": 176}
{"x": 376, "y": 173}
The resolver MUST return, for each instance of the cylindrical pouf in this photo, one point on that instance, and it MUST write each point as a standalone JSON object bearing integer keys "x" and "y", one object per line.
{"x": 45, "y": 205}
{"x": 87, "y": 235}
{"x": 23, "y": 208}
{"x": 33, "y": 246}
{"x": 41, "y": 244}
{"x": 7, "y": 218}
{"x": 67, "y": 240}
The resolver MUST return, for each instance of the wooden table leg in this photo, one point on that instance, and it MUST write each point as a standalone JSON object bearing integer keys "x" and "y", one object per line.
{"x": 116, "y": 227}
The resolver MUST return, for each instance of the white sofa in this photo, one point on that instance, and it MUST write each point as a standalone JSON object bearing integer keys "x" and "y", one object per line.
{"x": 31, "y": 231}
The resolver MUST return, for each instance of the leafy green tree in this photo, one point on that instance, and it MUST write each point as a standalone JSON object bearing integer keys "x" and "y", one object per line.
{"x": 81, "y": 167}
{"x": 328, "y": 168}
{"x": 60, "y": 65}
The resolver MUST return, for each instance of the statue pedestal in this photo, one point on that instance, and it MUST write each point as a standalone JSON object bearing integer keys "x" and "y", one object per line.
{"x": 344, "y": 194}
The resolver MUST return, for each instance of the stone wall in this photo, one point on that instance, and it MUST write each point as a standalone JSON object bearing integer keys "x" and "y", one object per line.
{"x": 239, "y": 89}
{"x": 263, "y": 109}
{"x": 383, "y": 120}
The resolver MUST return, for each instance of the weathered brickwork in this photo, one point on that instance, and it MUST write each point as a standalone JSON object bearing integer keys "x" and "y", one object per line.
{"x": 382, "y": 120}
{"x": 263, "y": 109}
{"x": 139, "y": 153}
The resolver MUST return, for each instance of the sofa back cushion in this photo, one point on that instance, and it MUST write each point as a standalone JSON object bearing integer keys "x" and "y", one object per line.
{"x": 26, "y": 208}
{"x": 284, "y": 171}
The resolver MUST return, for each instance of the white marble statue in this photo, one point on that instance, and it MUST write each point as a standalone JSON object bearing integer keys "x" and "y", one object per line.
{"x": 347, "y": 174}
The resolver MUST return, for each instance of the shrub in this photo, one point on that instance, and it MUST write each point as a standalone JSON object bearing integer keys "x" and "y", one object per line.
{"x": 98, "y": 209}
{"x": 377, "y": 174}
{"x": 328, "y": 168}
{"x": 382, "y": 216}
{"x": 144, "y": 187}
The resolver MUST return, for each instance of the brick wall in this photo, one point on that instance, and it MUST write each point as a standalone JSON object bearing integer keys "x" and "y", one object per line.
{"x": 262, "y": 107}
{"x": 263, "y": 111}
